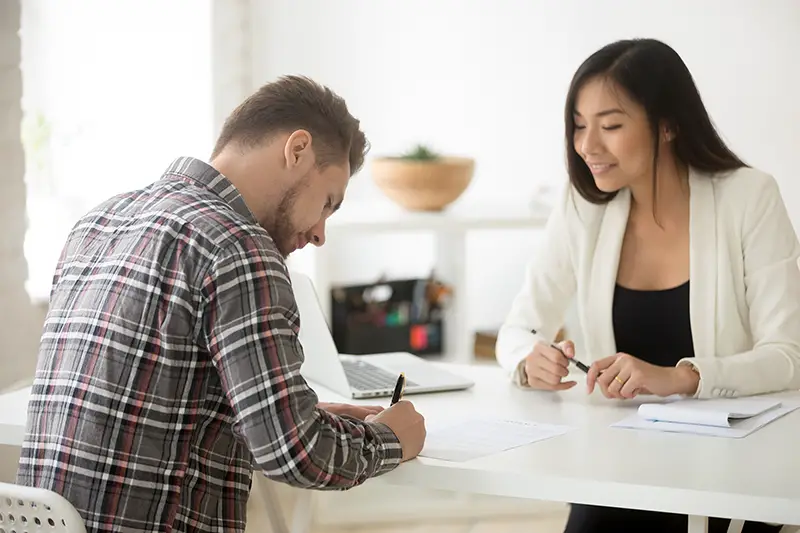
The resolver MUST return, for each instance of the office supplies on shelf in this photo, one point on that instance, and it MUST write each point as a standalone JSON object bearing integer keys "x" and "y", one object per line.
{"x": 472, "y": 438}
{"x": 402, "y": 315}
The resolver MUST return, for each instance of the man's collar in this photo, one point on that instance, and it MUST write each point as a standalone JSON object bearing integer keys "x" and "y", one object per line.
{"x": 207, "y": 176}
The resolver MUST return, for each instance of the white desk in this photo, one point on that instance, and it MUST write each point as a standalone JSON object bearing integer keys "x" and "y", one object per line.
{"x": 755, "y": 478}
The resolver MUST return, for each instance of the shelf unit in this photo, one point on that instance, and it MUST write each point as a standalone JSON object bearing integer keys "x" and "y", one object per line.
{"x": 450, "y": 229}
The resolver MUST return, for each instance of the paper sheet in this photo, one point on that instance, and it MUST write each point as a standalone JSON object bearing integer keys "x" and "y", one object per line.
{"x": 474, "y": 438}
{"x": 737, "y": 429}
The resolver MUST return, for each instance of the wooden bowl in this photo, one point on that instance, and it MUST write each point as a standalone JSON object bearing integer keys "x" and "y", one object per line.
{"x": 423, "y": 185}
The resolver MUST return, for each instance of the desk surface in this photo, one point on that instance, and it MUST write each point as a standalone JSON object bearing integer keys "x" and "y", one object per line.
{"x": 755, "y": 478}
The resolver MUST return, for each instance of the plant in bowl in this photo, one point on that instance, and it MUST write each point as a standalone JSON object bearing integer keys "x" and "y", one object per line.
{"x": 421, "y": 179}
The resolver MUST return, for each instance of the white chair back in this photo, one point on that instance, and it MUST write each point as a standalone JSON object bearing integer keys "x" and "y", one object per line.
{"x": 28, "y": 509}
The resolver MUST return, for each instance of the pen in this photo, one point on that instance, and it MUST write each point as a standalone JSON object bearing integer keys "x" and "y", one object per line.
{"x": 580, "y": 365}
{"x": 399, "y": 388}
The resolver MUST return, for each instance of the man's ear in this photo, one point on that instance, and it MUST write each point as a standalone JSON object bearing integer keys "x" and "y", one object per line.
{"x": 297, "y": 149}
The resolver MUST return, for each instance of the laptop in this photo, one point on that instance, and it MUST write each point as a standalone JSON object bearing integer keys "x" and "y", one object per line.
{"x": 360, "y": 376}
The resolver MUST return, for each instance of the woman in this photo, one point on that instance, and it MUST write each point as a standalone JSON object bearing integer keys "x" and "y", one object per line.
{"x": 682, "y": 259}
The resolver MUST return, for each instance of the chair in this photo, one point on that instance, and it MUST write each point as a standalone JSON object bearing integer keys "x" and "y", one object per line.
{"x": 28, "y": 509}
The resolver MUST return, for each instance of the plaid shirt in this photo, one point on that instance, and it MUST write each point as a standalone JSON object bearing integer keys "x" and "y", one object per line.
{"x": 170, "y": 365}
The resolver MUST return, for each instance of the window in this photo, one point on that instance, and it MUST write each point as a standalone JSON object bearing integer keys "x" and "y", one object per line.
{"x": 112, "y": 93}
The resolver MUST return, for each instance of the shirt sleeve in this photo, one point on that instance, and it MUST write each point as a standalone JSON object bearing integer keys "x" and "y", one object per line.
{"x": 250, "y": 328}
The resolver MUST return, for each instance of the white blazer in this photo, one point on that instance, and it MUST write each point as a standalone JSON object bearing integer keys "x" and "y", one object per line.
{"x": 744, "y": 291}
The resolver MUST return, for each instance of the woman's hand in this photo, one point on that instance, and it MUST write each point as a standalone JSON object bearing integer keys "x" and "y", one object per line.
{"x": 546, "y": 367}
{"x": 624, "y": 376}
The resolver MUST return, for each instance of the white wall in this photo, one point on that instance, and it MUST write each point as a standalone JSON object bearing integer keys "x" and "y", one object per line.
{"x": 230, "y": 61}
{"x": 488, "y": 79}
{"x": 20, "y": 323}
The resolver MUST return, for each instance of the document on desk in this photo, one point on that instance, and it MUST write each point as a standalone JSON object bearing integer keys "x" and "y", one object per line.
{"x": 474, "y": 438}
{"x": 732, "y": 418}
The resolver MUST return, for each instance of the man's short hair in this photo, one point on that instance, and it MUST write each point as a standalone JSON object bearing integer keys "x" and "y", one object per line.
{"x": 296, "y": 102}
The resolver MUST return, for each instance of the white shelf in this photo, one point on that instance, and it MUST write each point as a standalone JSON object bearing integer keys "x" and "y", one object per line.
{"x": 395, "y": 219}
{"x": 450, "y": 229}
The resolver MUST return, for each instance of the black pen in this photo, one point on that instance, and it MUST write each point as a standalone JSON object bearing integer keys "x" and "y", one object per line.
{"x": 580, "y": 365}
{"x": 398, "y": 389}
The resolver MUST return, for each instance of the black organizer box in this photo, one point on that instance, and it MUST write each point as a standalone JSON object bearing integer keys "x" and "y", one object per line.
{"x": 387, "y": 316}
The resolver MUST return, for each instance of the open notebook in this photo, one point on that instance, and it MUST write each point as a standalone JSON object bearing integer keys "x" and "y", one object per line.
{"x": 735, "y": 417}
{"x": 720, "y": 413}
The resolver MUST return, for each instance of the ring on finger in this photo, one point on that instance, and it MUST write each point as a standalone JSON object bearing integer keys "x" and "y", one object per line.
{"x": 619, "y": 380}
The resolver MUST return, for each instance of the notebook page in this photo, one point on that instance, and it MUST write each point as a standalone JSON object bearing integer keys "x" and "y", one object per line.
{"x": 721, "y": 412}
{"x": 683, "y": 415}
{"x": 474, "y": 438}
{"x": 741, "y": 429}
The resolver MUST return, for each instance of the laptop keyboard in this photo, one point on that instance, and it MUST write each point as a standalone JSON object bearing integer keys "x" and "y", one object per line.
{"x": 364, "y": 376}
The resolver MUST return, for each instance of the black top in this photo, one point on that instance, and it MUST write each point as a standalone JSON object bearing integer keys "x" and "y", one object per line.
{"x": 653, "y": 326}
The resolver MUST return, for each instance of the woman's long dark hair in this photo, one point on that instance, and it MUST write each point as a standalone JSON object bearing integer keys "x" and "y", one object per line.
{"x": 653, "y": 75}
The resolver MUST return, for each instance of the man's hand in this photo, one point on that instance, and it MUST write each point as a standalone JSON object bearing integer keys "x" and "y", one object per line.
{"x": 407, "y": 424}
{"x": 360, "y": 412}
{"x": 624, "y": 376}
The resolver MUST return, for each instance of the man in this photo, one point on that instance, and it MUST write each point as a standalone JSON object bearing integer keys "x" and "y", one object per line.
{"x": 170, "y": 364}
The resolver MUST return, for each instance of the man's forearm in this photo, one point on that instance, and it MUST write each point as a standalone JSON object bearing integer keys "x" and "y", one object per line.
{"x": 331, "y": 453}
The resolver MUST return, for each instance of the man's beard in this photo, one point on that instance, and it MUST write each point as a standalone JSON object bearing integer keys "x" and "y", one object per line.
{"x": 282, "y": 231}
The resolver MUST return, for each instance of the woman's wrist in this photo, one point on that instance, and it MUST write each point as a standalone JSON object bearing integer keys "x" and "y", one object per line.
{"x": 687, "y": 379}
